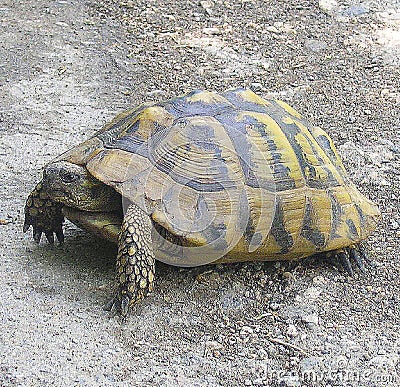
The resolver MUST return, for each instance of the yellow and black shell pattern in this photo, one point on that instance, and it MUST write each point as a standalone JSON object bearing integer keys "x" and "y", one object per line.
{"x": 233, "y": 171}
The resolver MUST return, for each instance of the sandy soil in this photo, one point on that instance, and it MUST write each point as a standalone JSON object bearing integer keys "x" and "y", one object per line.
{"x": 66, "y": 67}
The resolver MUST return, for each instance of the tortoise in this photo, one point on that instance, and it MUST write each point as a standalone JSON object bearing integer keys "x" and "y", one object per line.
{"x": 202, "y": 178}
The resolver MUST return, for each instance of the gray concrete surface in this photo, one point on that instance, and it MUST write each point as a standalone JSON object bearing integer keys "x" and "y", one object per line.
{"x": 66, "y": 67}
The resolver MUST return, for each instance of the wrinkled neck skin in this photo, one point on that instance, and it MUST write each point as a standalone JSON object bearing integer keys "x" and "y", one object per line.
{"x": 73, "y": 186}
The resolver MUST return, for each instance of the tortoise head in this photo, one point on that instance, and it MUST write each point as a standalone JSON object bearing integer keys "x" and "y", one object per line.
{"x": 73, "y": 186}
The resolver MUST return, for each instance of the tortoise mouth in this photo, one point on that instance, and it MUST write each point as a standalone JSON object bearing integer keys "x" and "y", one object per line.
{"x": 57, "y": 194}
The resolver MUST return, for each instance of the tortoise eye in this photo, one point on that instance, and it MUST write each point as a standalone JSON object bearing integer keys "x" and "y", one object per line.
{"x": 68, "y": 177}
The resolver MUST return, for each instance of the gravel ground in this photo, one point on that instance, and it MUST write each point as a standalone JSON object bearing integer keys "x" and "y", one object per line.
{"x": 66, "y": 67}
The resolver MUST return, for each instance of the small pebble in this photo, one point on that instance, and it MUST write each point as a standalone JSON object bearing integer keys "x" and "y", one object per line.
{"x": 274, "y": 306}
{"x": 256, "y": 86}
{"x": 292, "y": 330}
{"x": 211, "y": 31}
{"x": 319, "y": 280}
{"x": 289, "y": 276}
{"x": 312, "y": 293}
{"x": 355, "y": 10}
{"x": 246, "y": 330}
{"x": 206, "y": 4}
{"x": 316, "y": 45}
{"x": 310, "y": 319}
{"x": 328, "y": 5}
{"x": 213, "y": 345}
{"x": 272, "y": 29}
{"x": 383, "y": 182}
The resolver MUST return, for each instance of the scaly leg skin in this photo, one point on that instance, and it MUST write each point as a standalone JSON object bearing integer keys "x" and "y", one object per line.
{"x": 44, "y": 215}
{"x": 135, "y": 261}
{"x": 350, "y": 256}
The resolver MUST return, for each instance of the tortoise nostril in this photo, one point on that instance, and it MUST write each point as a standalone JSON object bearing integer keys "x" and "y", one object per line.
{"x": 49, "y": 175}
{"x": 47, "y": 172}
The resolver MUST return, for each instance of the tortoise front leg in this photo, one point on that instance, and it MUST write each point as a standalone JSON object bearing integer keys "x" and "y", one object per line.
{"x": 135, "y": 260}
{"x": 44, "y": 215}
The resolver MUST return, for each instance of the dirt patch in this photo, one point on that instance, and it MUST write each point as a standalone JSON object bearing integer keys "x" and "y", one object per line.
{"x": 68, "y": 66}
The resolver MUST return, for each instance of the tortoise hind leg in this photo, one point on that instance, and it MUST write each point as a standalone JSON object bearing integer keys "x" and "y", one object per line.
{"x": 352, "y": 256}
{"x": 135, "y": 261}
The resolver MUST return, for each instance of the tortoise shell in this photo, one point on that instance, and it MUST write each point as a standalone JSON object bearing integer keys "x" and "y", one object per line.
{"x": 231, "y": 173}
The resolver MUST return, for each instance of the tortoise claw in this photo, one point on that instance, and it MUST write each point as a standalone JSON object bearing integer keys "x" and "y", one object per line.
{"x": 109, "y": 305}
{"x": 112, "y": 307}
{"x": 50, "y": 237}
{"x": 353, "y": 256}
{"x": 124, "y": 305}
{"x": 37, "y": 234}
{"x": 345, "y": 262}
{"x": 60, "y": 236}
{"x": 118, "y": 306}
{"x": 27, "y": 224}
{"x": 367, "y": 260}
